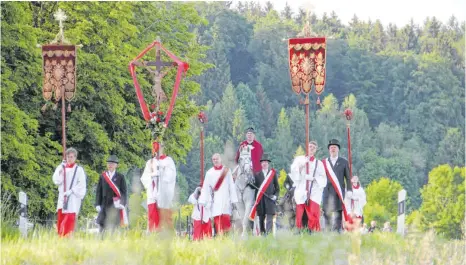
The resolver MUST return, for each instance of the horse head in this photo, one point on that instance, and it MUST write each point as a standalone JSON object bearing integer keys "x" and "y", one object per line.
{"x": 245, "y": 162}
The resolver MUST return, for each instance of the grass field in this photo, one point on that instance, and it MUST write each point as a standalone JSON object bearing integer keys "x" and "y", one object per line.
{"x": 135, "y": 247}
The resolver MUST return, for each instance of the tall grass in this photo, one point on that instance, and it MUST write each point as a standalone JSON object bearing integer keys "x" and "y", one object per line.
{"x": 136, "y": 247}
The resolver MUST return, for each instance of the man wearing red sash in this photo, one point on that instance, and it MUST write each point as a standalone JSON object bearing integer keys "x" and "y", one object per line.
{"x": 159, "y": 179}
{"x": 219, "y": 190}
{"x": 202, "y": 227}
{"x": 308, "y": 188}
{"x": 256, "y": 152}
{"x": 267, "y": 192}
{"x": 111, "y": 197}
{"x": 337, "y": 170}
{"x": 71, "y": 181}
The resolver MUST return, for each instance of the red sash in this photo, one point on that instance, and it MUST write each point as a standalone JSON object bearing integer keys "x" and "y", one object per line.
{"x": 123, "y": 214}
{"x": 265, "y": 184}
{"x": 336, "y": 185}
{"x": 220, "y": 180}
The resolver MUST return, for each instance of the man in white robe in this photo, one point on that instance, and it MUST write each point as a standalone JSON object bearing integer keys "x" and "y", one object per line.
{"x": 219, "y": 190}
{"x": 71, "y": 181}
{"x": 159, "y": 179}
{"x": 309, "y": 186}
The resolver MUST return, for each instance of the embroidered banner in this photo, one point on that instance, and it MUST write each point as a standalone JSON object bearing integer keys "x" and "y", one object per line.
{"x": 59, "y": 71}
{"x": 307, "y": 58}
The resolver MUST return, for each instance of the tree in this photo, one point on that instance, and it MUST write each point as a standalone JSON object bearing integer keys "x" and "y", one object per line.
{"x": 283, "y": 142}
{"x": 382, "y": 198}
{"x": 443, "y": 207}
{"x": 451, "y": 149}
{"x": 287, "y": 13}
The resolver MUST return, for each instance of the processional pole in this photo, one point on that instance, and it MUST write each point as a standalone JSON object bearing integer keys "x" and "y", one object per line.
{"x": 349, "y": 115}
{"x": 202, "y": 119}
{"x": 59, "y": 59}
{"x": 307, "y": 69}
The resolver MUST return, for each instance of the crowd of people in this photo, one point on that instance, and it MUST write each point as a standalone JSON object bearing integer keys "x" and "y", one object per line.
{"x": 320, "y": 185}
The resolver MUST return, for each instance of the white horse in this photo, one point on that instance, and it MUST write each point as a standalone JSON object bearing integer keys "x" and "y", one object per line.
{"x": 243, "y": 174}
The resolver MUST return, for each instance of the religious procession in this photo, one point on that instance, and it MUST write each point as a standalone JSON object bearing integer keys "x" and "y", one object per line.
{"x": 247, "y": 194}
{"x": 228, "y": 132}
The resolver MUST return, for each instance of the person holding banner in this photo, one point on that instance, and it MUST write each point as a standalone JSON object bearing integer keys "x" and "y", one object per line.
{"x": 159, "y": 179}
{"x": 308, "y": 188}
{"x": 219, "y": 191}
{"x": 267, "y": 190}
{"x": 338, "y": 175}
{"x": 202, "y": 227}
{"x": 111, "y": 197}
{"x": 71, "y": 181}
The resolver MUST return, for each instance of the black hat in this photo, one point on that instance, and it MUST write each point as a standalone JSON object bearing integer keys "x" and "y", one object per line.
{"x": 333, "y": 142}
{"x": 265, "y": 157}
{"x": 112, "y": 159}
{"x": 250, "y": 129}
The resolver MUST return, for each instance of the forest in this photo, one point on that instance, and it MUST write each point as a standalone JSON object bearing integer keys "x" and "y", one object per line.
{"x": 405, "y": 85}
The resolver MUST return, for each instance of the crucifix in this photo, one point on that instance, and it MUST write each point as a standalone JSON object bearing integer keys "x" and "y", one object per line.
{"x": 160, "y": 70}
{"x": 60, "y": 16}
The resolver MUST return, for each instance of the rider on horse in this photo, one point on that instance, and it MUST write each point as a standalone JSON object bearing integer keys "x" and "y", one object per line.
{"x": 256, "y": 150}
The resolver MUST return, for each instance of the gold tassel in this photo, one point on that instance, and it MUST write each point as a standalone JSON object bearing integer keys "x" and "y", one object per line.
{"x": 55, "y": 106}
{"x": 318, "y": 101}
{"x": 69, "y": 107}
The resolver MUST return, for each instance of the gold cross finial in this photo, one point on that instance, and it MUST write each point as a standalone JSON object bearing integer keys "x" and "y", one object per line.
{"x": 307, "y": 32}
{"x": 60, "y": 16}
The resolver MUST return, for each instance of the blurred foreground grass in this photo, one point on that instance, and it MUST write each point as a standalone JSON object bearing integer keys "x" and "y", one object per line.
{"x": 135, "y": 247}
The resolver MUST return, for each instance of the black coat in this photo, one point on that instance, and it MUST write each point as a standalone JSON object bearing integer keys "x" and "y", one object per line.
{"x": 331, "y": 201}
{"x": 104, "y": 198}
{"x": 266, "y": 205}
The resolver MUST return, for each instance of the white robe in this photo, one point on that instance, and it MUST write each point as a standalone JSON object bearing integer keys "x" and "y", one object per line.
{"x": 78, "y": 188}
{"x": 196, "y": 215}
{"x": 164, "y": 193}
{"x": 359, "y": 201}
{"x": 299, "y": 180}
{"x": 223, "y": 197}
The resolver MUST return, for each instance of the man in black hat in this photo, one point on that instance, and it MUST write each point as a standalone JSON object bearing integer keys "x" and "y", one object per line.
{"x": 267, "y": 191}
{"x": 111, "y": 197}
{"x": 256, "y": 149}
{"x": 338, "y": 175}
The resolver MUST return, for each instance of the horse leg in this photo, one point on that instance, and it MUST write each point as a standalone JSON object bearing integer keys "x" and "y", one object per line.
{"x": 241, "y": 209}
{"x": 249, "y": 202}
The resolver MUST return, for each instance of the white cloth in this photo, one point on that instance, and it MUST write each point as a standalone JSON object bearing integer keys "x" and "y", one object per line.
{"x": 78, "y": 190}
{"x": 196, "y": 215}
{"x": 359, "y": 201}
{"x": 299, "y": 179}
{"x": 163, "y": 173}
{"x": 223, "y": 197}
{"x": 333, "y": 160}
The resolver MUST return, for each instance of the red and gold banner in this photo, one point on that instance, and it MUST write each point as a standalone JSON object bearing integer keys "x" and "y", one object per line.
{"x": 59, "y": 67}
{"x": 307, "y": 64}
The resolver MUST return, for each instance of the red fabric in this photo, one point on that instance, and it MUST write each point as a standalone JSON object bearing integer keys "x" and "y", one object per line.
{"x": 356, "y": 187}
{"x": 201, "y": 230}
{"x": 313, "y": 214}
{"x": 165, "y": 218}
{"x": 256, "y": 155}
{"x": 349, "y": 151}
{"x": 303, "y": 53}
{"x": 65, "y": 223}
{"x": 218, "y": 168}
{"x": 70, "y": 165}
{"x": 222, "y": 223}
{"x": 162, "y": 157}
{"x": 153, "y": 217}
{"x": 260, "y": 194}
{"x": 312, "y": 158}
{"x": 220, "y": 180}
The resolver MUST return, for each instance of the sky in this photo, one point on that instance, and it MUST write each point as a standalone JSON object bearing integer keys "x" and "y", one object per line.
{"x": 398, "y": 12}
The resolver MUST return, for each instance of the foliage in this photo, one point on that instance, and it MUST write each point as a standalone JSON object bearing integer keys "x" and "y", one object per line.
{"x": 443, "y": 198}
{"x": 382, "y": 198}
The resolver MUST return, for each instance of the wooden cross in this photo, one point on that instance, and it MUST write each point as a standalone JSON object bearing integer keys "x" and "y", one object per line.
{"x": 161, "y": 69}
